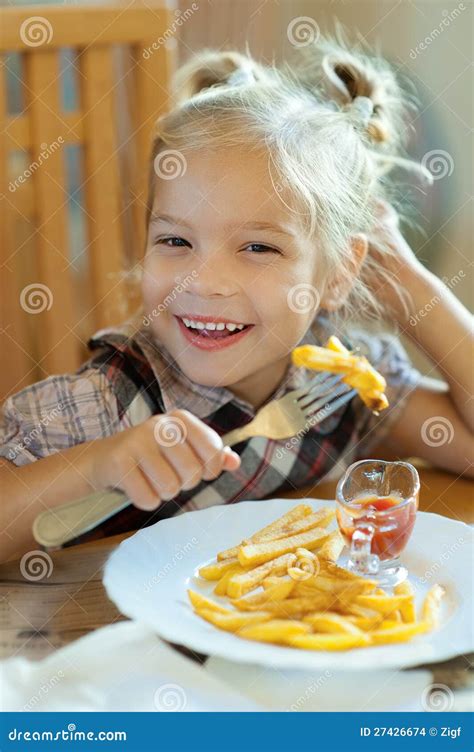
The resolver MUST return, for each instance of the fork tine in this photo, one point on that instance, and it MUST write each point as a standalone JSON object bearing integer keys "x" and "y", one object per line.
{"x": 317, "y": 415}
{"x": 319, "y": 390}
{"x": 320, "y": 378}
{"x": 325, "y": 400}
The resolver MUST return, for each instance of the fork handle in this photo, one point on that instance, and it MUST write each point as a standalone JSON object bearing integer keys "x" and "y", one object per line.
{"x": 56, "y": 526}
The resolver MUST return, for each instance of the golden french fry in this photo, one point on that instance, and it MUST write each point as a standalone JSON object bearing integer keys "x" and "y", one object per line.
{"x": 332, "y": 547}
{"x": 333, "y": 585}
{"x": 200, "y": 602}
{"x": 273, "y": 580}
{"x": 407, "y": 610}
{"x": 244, "y": 582}
{"x": 233, "y": 621}
{"x": 297, "y": 513}
{"x": 432, "y": 605}
{"x": 277, "y": 592}
{"x": 291, "y": 607}
{"x": 308, "y": 522}
{"x": 330, "y": 641}
{"x": 398, "y": 633}
{"x": 359, "y": 373}
{"x": 330, "y": 568}
{"x": 221, "y": 587}
{"x": 365, "y": 623}
{"x": 386, "y": 605}
{"x": 389, "y": 623}
{"x": 258, "y": 553}
{"x": 329, "y": 621}
{"x": 217, "y": 569}
{"x": 279, "y": 631}
{"x": 354, "y": 609}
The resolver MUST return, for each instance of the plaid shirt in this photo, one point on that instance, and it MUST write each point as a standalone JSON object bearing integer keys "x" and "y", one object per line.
{"x": 131, "y": 376}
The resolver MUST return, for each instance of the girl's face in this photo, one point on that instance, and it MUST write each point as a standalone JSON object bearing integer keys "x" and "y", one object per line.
{"x": 224, "y": 249}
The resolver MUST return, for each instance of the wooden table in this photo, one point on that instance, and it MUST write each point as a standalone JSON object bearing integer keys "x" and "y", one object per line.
{"x": 39, "y": 617}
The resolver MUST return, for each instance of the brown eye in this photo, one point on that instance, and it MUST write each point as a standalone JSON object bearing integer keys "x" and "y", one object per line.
{"x": 260, "y": 248}
{"x": 172, "y": 242}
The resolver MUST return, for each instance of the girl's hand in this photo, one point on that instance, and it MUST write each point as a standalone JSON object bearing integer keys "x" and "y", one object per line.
{"x": 401, "y": 266}
{"x": 155, "y": 461}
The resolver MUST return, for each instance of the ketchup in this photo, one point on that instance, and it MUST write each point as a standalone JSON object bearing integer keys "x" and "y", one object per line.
{"x": 392, "y": 529}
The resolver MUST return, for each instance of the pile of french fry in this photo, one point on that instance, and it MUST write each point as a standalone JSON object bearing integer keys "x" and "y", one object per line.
{"x": 303, "y": 599}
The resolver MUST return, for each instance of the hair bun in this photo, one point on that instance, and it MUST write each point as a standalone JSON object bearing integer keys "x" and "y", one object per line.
{"x": 210, "y": 68}
{"x": 242, "y": 76}
{"x": 360, "y": 83}
{"x": 361, "y": 110}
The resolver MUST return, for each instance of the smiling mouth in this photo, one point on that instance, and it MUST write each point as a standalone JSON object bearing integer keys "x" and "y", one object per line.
{"x": 213, "y": 330}
{"x": 212, "y": 335}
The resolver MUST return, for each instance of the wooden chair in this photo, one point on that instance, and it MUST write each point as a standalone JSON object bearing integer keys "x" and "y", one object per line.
{"x": 56, "y": 289}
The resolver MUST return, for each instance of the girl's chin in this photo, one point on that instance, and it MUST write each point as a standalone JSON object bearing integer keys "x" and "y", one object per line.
{"x": 203, "y": 377}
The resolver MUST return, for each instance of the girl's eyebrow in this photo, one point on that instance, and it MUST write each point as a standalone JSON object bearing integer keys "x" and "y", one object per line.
{"x": 264, "y": 226}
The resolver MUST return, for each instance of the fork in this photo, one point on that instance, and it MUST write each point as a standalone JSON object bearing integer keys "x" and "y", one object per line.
{"x": 288, "y": 416}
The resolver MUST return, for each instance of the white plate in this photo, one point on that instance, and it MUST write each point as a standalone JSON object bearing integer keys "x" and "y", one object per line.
{"x": 148, "y": 575}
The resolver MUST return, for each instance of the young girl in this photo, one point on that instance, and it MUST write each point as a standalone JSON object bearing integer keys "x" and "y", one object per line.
{"x": 268, "y": 226}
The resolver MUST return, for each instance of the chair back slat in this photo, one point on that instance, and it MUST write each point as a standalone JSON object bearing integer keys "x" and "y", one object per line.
{"x": 51, "y": 280}
{"x": 102, "y": 187}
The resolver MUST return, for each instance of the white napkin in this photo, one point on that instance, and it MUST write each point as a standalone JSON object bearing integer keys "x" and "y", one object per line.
{"x": 124, "y": 666}
{"x": 326, "y": 690}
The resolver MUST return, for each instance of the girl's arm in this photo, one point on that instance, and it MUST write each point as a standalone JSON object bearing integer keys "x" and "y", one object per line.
{"x": 137, "y": 460}
{"x": 435, "y": 426}
{"x": 443, "y": 329}
{"x": 31, "y": 489}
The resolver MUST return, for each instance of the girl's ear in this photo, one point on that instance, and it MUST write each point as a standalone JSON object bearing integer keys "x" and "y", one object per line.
{"x": 341, "y": 281}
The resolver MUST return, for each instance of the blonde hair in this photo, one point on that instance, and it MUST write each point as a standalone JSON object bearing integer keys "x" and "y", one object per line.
{"x": 331, "y": 120}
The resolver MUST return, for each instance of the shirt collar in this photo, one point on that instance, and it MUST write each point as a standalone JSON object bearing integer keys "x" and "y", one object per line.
{"x": 180, "y": 392}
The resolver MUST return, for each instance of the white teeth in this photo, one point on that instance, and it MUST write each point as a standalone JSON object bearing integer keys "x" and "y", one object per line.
{"x": 211, "y": 325}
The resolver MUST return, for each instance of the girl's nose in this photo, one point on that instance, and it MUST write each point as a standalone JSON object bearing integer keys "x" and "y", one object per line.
{"x": 213, "y": 277}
